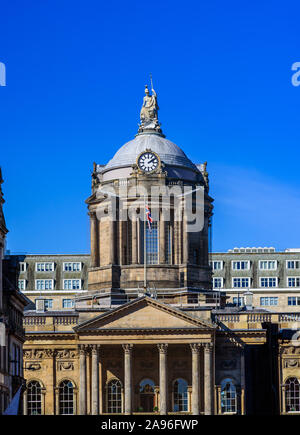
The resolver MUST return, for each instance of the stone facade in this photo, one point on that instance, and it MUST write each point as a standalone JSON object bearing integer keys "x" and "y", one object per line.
{"x": 12, "y": 333}
{"x": 149, "y": 334}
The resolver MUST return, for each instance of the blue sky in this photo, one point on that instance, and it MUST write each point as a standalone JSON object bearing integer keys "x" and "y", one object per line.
{"x": 75, "y": 81}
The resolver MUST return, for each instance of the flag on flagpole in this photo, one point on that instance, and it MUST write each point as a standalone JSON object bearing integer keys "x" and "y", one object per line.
{"x": 149, "y": 218}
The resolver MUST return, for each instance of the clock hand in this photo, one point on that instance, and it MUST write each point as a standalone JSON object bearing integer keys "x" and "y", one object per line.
{"x": 150, "y": 161}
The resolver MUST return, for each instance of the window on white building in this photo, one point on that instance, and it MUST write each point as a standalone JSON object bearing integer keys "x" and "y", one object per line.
{"x": 293, "y": 281}
{"x": 44, "y": 284}
{"x": 48, "y": 303}
{"x": 217, "y": 282}
{"x": 217, "y": 265}
{"x": 44, "y": 267}
{"x": 293, "y": 300}
{"x": 268, "y": 264}
{"x": 22, "y": 284}
{"x": 269, "y": 301}
{"x": 241, "y": 282}
{"x": 268, "y": 282}
{"x": 72, "y": 267}
{"x": 240, "y": 265}
{"x": 22, "y": 266}
{"x": 238, "y": 301}
{"x": 68, "y": 303}
{"x": 72, "y": 284}
{"x": 293, "y": 264}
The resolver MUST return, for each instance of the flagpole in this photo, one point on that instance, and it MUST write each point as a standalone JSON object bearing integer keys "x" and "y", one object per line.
{"x": 145, "y": 248}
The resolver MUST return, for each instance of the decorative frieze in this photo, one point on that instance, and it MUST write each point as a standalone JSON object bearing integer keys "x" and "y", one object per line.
{"x": 65, "y": 365}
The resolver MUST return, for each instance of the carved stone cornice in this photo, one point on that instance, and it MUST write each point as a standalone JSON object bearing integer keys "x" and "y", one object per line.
{"x": 39, "y": 353}
{"x": 66, "y": 353}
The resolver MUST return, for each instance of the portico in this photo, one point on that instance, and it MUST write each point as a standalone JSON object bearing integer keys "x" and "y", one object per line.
{"x": 147, "y": 347}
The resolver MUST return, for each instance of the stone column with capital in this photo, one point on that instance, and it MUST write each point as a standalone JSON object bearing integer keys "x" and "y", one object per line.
{"x": 163, "y": 379}
{"x": 185, "y": 246}
{"x": 208, "y": 378}
{"x": 128, "y": 377}
{"x": 82, "y": 380}
{"x": 95, "y": 379}
{"x": 242, "y": 381}
{"x": 195, "y": 348}
{"x": 94, "y": 240}
{"x": 134, "y": 251}
{"x": 112, "y": 238}
{"x": 162, "y": 242}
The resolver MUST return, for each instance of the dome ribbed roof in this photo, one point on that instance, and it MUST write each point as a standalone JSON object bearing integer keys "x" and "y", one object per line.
{"x": 169, "y": 153}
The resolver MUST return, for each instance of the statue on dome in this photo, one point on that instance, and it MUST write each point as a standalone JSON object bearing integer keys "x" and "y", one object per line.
{"x": 149, "y": 107}
{"x": 149, "y": 117}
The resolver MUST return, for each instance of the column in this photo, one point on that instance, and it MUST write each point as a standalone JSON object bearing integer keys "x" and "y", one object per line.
{"x": 162, "y": 242}
{"x": 95, "y": 380}
{"x": 25, "y": 403}
{"x": 163, "y": 381}
{"x": 185, "y": 246}
{"x": 82, "y": 380}
{"x": 121, "y": 233}
{"x": 208, "y": 377}
{"x": 112, "y": 240}
{"x": 195, "y": 348}
{"x": 134, "y": 240}
{"x": 128, "y": 377}
{"x": 243, "y": 381}
{"x": 94, "y": 240}
{"x": 283, "y": 399}
{"x": 219, "y": 407}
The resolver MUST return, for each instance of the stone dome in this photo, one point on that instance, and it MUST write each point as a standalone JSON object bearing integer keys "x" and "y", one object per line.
{"x": 170, "y": 154}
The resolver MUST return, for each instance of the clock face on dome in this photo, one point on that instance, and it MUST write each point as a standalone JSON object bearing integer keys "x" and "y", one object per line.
{"x": 148, "y": 161}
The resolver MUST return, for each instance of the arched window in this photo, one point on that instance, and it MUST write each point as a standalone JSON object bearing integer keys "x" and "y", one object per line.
{"x": 114, "y": 397}
{"x": 147, "y": 395}
{"x": 66, "y": 398}
{"x": 228, "y": 396}
{"x": 34, "y": 398}
{"x": 180, "y": 395}
{"x": 292, "y": 395}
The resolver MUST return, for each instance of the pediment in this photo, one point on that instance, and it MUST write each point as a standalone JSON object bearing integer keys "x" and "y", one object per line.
{"x": 143, "y": 313}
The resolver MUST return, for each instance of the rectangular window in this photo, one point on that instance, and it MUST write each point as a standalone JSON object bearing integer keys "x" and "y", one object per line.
{"x": 217, "y": 265}
{"x": 22, "y": 284}
{"x": 268, "y": 301}
{"x": 293, "y": 264}
{"x": 293, "y": 281}
{"x": 238, "y": 301}
{"x": 151, "y": 243}
{"x": 268, "y": 282}
{"x": 22, "y": 266}
{"x": 217, "y": 282}
{"x": 68, "y": 303}
{"x": 44, "y": 284}
{"x": 240, "y": 265}
{"x": 268, "y": 264}
{"x": 293, "y": 300}
{"x": 48, "y": 303}
{"x": 72, "y": 267}
{"x": 72, "y": 284}
{"x": 44, "y": 267}
{"x": 241, "y": 282}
